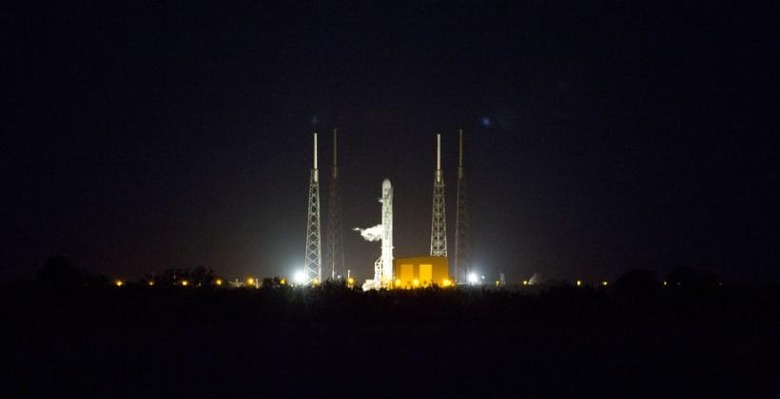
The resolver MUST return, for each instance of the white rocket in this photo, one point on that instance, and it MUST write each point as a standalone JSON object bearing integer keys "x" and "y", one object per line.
{"x": 383, "y": 267}
{"x": 384, "y": 274}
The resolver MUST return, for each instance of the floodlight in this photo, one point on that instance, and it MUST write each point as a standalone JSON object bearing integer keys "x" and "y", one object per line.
{"x": 300, "y": 277}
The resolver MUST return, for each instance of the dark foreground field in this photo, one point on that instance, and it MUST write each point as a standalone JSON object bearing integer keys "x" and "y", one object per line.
{"x": 564, "y": 342}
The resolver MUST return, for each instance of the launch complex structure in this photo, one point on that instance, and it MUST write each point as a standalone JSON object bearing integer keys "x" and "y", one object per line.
{"x": 383, "y": 267}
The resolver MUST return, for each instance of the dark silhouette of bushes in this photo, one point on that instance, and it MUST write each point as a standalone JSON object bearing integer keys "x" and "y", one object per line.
{"x": 196, "y": 277}
{"x": 59, "y": 273}
{"x": 559, "y": 341}
{"x": 637, "y": 283}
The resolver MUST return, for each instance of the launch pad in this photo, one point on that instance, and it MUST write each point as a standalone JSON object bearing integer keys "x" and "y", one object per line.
{"x": 431, "y": 270}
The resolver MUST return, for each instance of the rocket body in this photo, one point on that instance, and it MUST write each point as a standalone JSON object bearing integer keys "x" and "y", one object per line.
{"x": 386, "y": 277}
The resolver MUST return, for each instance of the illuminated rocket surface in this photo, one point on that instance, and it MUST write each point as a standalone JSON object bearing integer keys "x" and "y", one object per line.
{"x": 383, "y": 268}
{"x": 384, "y": 273}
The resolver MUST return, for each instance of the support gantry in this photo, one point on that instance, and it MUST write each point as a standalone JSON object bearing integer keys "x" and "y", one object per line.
{"x": 462, "y": 221}
{"x": 438, "y": 220}
{"x": 335, "y": 246}
{"x": 312, "y": 263}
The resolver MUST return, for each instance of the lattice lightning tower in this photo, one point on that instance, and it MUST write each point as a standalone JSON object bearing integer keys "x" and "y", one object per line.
{"x": 439, "y": 221}
{"x": 335, "y": 259}
{"x": 312, "y": 264}
{"x": 462, "y": 221}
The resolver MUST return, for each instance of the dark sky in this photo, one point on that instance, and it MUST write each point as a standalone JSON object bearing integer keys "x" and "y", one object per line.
{"x": 600, "y": 136}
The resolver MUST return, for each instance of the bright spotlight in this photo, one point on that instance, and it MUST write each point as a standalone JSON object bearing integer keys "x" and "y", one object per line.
{"x": 473, "y": 278}
{"x": 300, "y": 277}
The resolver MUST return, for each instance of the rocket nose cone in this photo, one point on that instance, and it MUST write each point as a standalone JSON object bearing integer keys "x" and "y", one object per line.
{"x": 386, "y": 184}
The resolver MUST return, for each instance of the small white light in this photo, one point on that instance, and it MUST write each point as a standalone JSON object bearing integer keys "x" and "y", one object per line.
{"x": 473, "y": 278}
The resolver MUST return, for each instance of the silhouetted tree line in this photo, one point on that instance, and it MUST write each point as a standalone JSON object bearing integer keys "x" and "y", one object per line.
{"x": 59, "y": 272}
{"x": 197, "y": 277}
{"x": 594, "y": 335}
{"x": 639, "y": 293}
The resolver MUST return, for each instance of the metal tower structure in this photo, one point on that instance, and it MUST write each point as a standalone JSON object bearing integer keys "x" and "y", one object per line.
{"x": 312, "y": 264}
{"x": 439, "y": 221}
{"x": 335, "y": 259}
{"x": 462, "y": 221}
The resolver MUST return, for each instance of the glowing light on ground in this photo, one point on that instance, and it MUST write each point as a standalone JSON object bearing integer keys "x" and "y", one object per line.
{"x": 300, "y": 277}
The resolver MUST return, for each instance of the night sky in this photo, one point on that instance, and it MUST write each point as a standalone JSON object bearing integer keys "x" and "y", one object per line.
{"x": 600, "y": 136}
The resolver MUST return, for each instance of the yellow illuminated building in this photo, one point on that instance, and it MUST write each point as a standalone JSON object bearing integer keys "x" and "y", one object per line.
{"x": 422, "y": 271}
